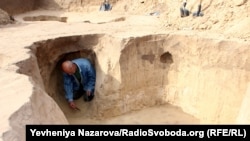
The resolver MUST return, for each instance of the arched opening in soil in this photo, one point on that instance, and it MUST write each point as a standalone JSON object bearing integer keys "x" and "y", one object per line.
{"x": 56, "y": 80}
{"x": 51, "y": 53}
{"x": 166, "y": 58}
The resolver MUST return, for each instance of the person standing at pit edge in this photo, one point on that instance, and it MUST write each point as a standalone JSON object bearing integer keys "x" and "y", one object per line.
{"x": 79, "y": 78}
{"x": 183, "y": 9}
{"x": 105, "y": 6}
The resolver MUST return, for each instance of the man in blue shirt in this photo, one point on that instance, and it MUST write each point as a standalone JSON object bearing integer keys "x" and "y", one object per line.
{"x": 79, "y": 78}
{"x": 105, "y": 6}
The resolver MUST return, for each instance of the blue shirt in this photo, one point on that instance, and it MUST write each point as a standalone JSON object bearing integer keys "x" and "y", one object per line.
{"x": 88, "y": 78}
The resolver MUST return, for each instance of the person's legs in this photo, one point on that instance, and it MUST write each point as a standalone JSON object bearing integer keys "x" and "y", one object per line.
{"x": 77, "y": 94}
{"x": 77, "y": 91}
{"x": 186, "y": 12}
{"x": 182, "y": 12}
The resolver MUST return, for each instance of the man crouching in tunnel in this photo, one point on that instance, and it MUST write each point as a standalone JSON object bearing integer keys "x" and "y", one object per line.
{"x": 79, "y": 80}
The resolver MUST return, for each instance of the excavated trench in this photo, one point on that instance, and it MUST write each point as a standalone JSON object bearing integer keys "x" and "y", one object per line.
{"x": 178, "y": 74}
{"x": 45, "y": 18}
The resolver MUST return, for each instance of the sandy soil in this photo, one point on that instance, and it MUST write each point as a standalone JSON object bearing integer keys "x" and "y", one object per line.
{"x": 80, "y": 22}
{"x": 165, "y": 114}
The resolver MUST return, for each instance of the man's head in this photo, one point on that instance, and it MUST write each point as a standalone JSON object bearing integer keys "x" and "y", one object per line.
{"x": 68, "y": 67}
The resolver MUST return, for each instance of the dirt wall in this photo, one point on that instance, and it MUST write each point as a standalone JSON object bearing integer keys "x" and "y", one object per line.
{"x": 17, "y": 6}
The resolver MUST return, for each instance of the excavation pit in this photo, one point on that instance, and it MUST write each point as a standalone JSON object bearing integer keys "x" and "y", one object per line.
{"x": 45, "y": 18}
{"x": 178, "y": 79}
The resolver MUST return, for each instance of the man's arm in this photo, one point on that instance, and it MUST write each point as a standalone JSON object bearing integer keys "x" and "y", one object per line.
{"x": 68, "y": 87}
{"x": 91, "y": 75}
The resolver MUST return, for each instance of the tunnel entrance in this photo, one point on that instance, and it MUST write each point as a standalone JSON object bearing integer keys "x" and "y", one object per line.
{"x": 117, "y": 92}
{"x": 56, "y": 80}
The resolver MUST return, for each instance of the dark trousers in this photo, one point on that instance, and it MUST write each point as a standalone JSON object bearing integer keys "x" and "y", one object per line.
{"x": 81, "y": 92}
